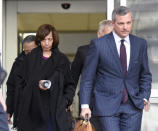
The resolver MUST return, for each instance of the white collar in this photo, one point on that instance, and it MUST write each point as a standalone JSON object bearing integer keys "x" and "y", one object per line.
{"x": 118, "y": 39}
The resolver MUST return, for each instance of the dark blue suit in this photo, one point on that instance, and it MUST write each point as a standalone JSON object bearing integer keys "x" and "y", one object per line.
{"x": 103, "y": 62}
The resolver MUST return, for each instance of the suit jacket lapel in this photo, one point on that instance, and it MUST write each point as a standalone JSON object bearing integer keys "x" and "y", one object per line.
{"x": 132, "y": 50}
{"x": 114, "y": 51}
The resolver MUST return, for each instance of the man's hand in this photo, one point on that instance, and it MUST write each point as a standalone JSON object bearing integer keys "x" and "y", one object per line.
{"x": 69, "y": 108}
{"x": 147, "y": 106}
{"x": 9, "y": 119}
{"x": 85, "y": 111}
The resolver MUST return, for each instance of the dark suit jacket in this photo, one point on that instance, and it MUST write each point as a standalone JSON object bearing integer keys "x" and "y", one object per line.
{"x": 77, "y": 64}
{"x": 76, "y": 70}
{"x": 11, "y": 83}
{"x": 103, "y": 62}
{"x": 13, "y": 93}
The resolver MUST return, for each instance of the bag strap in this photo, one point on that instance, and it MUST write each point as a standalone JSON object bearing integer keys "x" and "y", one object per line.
{"x": 86, "y": 118}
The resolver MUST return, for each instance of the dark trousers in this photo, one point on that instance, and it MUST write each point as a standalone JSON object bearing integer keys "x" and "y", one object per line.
{"x": 128, "y": 118}
{"x": 3, "y": 120}
{"x": 95, "y": 121}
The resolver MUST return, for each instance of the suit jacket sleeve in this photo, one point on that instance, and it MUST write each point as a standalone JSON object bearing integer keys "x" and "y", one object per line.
{"x": 145, "y": 75}
{"x": 69, "y": 90}
{"x": 76, "y": 67}
{"x": 11, "y": 90}
{"x": 88, "y": 74}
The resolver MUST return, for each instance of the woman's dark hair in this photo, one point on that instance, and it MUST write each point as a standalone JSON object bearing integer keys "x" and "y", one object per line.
{"x": 44, "y": 30}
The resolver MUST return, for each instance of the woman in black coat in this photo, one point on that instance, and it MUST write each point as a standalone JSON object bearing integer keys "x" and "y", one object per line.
{"x": 44, "y": 109}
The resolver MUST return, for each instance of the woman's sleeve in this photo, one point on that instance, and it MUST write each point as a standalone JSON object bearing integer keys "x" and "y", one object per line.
{"x": 20, "y": 74}
{"x": 69, "y": 84}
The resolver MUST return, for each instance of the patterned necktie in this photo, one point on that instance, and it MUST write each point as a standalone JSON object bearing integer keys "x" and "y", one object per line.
{"x": 123, "y": 59}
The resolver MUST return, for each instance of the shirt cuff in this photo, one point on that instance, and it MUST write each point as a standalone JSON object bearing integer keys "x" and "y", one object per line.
{"x": 145, "y": 100}
{"x": 84, "y": 106}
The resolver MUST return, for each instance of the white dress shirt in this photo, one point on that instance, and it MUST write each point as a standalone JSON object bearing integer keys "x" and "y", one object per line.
{"x": 126, "y": 43}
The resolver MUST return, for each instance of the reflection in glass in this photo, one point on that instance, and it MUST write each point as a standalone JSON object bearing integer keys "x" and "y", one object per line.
{"x": 145, "y": 24}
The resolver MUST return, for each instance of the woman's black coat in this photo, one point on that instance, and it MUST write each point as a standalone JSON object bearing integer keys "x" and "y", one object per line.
{"x": 37, "y": 106}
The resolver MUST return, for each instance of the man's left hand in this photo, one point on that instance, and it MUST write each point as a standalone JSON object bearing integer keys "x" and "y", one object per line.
{"x": 147, "y": 106}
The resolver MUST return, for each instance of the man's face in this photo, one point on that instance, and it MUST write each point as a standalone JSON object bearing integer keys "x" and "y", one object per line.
{"x": 123, "y": 25}
{"x": 29, "y": 46}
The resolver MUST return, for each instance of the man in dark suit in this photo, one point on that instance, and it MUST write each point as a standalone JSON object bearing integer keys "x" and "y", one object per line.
{"x": 13, "y": 94}
{"x": 105, "y": 27}
{"x": 119, "y": 62}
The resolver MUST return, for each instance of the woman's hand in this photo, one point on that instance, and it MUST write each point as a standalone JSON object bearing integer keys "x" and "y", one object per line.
{"x": 40, "y": 85}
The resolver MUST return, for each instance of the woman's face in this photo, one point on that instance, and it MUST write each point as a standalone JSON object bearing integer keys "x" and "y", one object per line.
{"x": 47, "y": 42}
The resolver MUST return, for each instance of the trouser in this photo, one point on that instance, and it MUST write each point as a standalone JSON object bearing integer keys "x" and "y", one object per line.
{"x": 128, "y": 118}
{"x": 96, "y": 123}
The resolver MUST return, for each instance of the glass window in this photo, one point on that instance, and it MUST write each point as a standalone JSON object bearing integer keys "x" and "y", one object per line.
{"x": 145, "y": 24}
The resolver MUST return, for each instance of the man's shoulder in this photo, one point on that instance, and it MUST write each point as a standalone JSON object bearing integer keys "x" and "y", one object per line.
{"x": 136, "y": 37}
{"x": 83, "y": 47}
{"x": 103, "y": 38}
{"x": 138, "y": 40}
{"x": 20, "y": 58}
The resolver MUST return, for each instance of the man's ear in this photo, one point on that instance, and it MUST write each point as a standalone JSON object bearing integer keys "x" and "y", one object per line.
{"x": 112, "y": 23}
{"x": 98, "y": 34}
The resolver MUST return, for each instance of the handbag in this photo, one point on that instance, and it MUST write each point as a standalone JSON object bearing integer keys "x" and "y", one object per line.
{"x": 84, "y": 125}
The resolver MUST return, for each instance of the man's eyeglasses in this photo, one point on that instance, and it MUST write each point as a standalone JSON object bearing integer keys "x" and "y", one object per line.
{"x": 48, "y": 39}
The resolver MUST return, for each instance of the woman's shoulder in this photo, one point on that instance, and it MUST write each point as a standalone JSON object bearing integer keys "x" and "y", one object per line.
{"x": 61, "y": 55}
